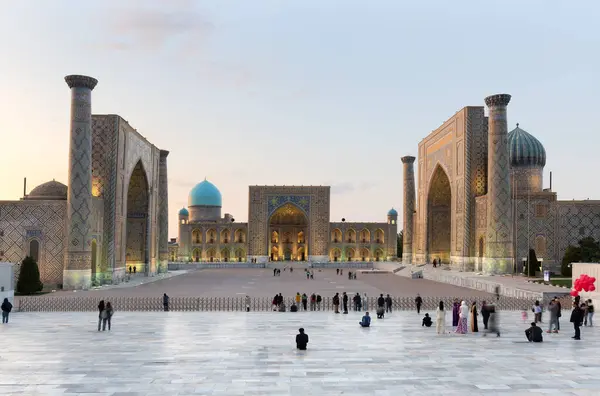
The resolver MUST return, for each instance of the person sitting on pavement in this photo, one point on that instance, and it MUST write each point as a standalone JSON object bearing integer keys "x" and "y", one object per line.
{"x": 365, "y": 321}
{"x": 534, "y": 333}
{"x": 294, "y": 308}
{"x": 426, "y": 321}
{"x": 282, "y": 307}
{"x": 380, "y": 312}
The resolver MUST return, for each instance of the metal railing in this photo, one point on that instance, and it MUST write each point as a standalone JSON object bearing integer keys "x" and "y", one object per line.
{"x": 237, "y": 304}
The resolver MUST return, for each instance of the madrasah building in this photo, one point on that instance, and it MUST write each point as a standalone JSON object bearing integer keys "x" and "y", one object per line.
{"x": 480, "y": 202}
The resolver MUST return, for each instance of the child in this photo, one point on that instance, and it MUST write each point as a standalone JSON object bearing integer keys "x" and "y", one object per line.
{"x": 524, "y": 315}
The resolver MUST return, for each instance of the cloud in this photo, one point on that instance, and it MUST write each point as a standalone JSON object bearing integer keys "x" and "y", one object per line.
{"x": 156, "y": 26}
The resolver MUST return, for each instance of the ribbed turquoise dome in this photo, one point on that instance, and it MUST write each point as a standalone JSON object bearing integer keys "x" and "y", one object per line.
{"x": 184, "y": 212}
{"x": 205, "y": 194}
{"x": 392, "y": 212}
{"x": 524, "y": 149}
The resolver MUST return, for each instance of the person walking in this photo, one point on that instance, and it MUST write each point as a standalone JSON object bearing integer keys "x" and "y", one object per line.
{"x": 106, "y": 315}
{"x": 336, "y": 303}
{"x": 485, "y": 314}
{"x": 100, "y": 310}
{"x": 418, "y": 303}
{"x": 576, "y": 319}
{"x": 440, "y": 319}
{"x": 388, "y": 304}
{"x": 553, "y": 309}
{"x": 345, "y": 302}
{"x": 166, "y": 302}
{"x": 6, "y": 308}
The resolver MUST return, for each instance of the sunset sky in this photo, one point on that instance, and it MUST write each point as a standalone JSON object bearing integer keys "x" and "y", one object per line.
{"x": 317, "y": 92}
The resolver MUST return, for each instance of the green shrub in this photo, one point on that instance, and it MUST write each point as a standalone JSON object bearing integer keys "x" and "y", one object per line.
{"x": 29, "y": 277}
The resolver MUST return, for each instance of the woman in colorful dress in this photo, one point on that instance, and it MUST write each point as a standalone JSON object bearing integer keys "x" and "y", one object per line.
{"x": 455, "y": 312}
{"x": 473, "y": 316}
{"x": 462, "y": 321}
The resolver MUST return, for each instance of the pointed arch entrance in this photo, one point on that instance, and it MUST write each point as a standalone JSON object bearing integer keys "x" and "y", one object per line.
{"x": 288, "y": 219}
{"x": 439, "y": 216}
{"x": 137, "y": 228}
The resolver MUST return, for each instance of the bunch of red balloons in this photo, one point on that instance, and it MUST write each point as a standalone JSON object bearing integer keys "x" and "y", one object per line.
{"x": 585, "y": 283}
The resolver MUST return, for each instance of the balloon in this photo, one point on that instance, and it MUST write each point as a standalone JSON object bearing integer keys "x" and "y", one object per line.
{"x": 593, "y": 279}
{"x": 592, "y": 288}
{"x": 574, "y": 293}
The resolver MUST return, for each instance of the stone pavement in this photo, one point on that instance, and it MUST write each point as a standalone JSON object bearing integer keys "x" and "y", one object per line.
{"x": 233, "y": 354}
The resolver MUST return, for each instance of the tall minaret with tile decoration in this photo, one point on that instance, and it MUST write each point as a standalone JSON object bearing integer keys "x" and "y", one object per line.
{"x": 498, "y": 256}
{"x": 77, "y": 273}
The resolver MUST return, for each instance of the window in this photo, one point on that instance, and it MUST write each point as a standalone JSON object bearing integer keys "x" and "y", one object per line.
{"x": 34, "y": 250}
{"x": 541, "y": 210}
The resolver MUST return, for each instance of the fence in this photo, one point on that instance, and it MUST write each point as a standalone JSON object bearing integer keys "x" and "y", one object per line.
{"x": 233, "y": 304}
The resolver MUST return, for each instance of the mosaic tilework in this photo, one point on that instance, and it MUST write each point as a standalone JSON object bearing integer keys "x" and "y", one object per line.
{"x": 23, "y": 221}
{"x": 254, "y": 354}
{"x": 576, "y": 220}
{"x": 408, "y": 208}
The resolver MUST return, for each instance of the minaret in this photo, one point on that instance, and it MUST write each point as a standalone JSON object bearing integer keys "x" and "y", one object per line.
{"x": 77, "y": 272}
{"x": 498, "y": 246}
{"x": 163, "y": 212}
{"x": 409, "y": 209}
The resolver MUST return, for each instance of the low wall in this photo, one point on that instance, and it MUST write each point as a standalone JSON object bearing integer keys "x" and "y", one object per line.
{"x": 175, "y": 266}
{"x": 490, "y": 286}
{"x": 7, "y": 282}
{"x": 178, "y": 266}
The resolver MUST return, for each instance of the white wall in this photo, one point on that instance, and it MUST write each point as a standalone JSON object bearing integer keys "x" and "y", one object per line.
{"x": 7, "y": 282}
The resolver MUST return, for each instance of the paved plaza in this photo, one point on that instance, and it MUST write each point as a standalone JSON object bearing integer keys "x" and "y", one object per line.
{"x": 177, "y": 353}
{"x": 262, "y": 283}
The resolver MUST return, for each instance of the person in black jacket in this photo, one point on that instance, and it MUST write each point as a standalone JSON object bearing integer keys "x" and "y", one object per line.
{"x": 576, "y": 319}
{"x": 418, "y": 303}
{"x": 100, "y": 309}
{"x": 165, "y": 302}
{"x": 301, "y": 340}
{"x": 345, "y": 302}
{"x": 381, "y": 301}
{"x": 534, "y": 333}
{"x": 388, "y": 304}
{"x": 336, "y": 302}
{"x": 6, "y": 308}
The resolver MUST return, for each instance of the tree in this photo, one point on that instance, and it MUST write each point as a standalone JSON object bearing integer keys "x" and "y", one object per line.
{"x": 29, "y": 277}
{"x": 586, "y": 251}
{"x": 399, "y": 243}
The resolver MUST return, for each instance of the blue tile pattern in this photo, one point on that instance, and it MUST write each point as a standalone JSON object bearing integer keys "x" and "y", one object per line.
{"x": 276, "y": 201}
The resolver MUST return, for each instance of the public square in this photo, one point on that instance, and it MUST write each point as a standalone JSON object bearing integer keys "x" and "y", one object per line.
{"x": 172, "y": 353}
{"x": 262, "y": 283}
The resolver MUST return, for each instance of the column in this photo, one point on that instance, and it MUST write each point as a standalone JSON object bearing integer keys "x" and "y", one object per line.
{"x": 77, "y": 272}
{"x": 408, "y": 209}
{"x": 498, "y": 245}
{"x": 163, "y": 213}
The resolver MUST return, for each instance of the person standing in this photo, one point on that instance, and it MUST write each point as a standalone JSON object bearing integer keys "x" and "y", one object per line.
{"x": 100, "y": 310}
{"x": 440, "y": 319}
{"x": 166, "y": 302}
{"x": 494, "y": 322}
{"x": 313, "y": 301}
{"x": 304, "y": 301}
{"x": 301, "y": 340}
{"x": 553, "y": 309}
{"x": 455, "y": 312}
{"x": 345, "y": 302}
{"x": 6, "y": 308}
{"x": 462, "y": 322}
{"x": 576, "y": 319}
{"x": 559, "y": 313}
{"x": 388, "y": 304}
{"x": 537, "y": 312}
{"x": 106, "y": 315}
{"x": 381, "y": 302}
{"x": 298, "y": 298}
{"x": 247, "y": 303}
{"x": 473, "y": 315}
{"x": 365, "y": 303}
{"x": 485, "y": 314}
{"x": 590, "y": 312}
{"x": 418, "y": 303}
{"x": 319, "y": 299}
{"x": 336, "y": 303}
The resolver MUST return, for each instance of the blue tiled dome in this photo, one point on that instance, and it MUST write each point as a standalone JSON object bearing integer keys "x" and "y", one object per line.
{"x": 393, "y": 212}
{"x": 184, "y": 212}
{"x": 524, "y": 149}
{"x": 205, "y": 194}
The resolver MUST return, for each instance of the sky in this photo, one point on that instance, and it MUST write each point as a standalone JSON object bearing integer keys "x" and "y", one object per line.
{"x": 312, "y": 92}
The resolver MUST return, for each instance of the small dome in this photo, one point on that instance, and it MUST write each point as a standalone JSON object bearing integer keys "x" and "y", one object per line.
{"x": 525, "y": 149}
{"x": 51, "y": 190}
{"x": 393, "y": 212}
{"x": 205, "y": 194}
{"x": 184, "y": 212}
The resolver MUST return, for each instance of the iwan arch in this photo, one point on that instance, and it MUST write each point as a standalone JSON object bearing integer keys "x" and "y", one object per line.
{"x": 479, "y": 202}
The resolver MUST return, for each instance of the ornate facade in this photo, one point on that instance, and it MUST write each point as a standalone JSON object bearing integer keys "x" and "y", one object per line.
{"x": 111, "y": 216}
{"x": 480, "y": 201}
{"x": 285, "y": 223}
